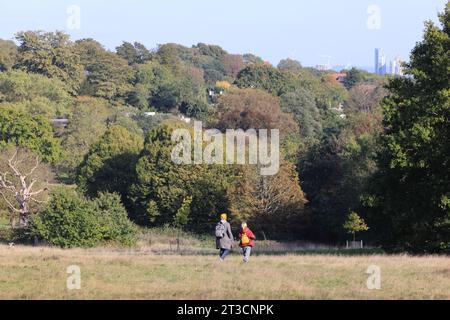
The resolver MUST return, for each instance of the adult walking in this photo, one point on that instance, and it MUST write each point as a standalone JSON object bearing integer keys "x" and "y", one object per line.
{"x": 224, "y": 237}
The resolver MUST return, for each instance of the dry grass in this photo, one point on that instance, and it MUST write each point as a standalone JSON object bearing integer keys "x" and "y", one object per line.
{"x": 40, "y": 273}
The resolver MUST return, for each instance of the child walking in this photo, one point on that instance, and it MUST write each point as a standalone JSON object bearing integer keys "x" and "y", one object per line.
{"x": 247, "y": 241}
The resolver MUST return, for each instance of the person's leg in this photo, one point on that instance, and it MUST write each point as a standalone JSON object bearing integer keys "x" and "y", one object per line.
{"x": 224, "y": 253}
{"x": 247, "y": 253}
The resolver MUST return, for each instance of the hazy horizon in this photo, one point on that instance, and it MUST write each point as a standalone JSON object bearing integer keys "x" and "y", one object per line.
{"x": 308, "y": 32}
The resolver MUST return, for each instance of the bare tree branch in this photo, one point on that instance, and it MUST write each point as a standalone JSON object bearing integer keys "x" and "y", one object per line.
{"x": 9, "y": 203}
{"x": 20, "y": 186}
{"x": 34, "y": 168}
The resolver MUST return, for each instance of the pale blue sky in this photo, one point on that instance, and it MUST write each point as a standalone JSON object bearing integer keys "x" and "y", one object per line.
{"x": 305, "y": 30}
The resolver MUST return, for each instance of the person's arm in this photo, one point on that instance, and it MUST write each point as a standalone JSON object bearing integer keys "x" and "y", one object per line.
{"x": 230, "y": 234}
{"x": 250, "y": 234}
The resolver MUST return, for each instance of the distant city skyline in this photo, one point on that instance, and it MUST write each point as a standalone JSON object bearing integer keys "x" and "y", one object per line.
{"x": 339, "y": 33}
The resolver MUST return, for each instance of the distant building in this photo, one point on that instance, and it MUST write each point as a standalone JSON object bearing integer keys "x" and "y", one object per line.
{"x": 380, "y": 61}
{"x": 323, "y": 67}
{"x": 340, "y": 77}
{"x": 396, "y": 68}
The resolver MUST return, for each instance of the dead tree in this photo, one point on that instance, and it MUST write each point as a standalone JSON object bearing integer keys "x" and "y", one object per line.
{"x": 23, "y": 184}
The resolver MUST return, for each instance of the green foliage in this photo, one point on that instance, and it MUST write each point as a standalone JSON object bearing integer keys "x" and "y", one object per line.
{"x": 355, "y": 223}
{"x": 335, "y": 173}
{"x": 52, "y": 55}
{"x": 34, "y": 94}
{"x": 68, "y": 221}
{"x": 157, "y": 193}
{"x": 108, "y": 75}
{"x": 113, "y": 219}
{"x": 135, "y": 53}
{"x": 182, "y": 216}
{"x": 164, "y": 89}
{"x": 289, "y": 65}
{"x": 87, "y": 123}
{"x": 251, "y": 59}
{"x": 72, "y": 221}
{"x": 8, "y": 54}
{"x": 161, "y": 186}
{"x": 302, "y": 105}
{"x": 32, "y": 132}
{"x": 109, "y": 165}
{"x": 407, "y": 202}
{"x": 197, "y": 109}
{"x": 353, "y": 77}
{"x": 265, "y": 77}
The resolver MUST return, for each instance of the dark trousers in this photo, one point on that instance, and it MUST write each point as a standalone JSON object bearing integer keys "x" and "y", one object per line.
{"x": 223, "y": 253}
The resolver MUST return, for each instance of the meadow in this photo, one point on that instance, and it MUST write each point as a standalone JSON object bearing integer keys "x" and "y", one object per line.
{"x": 145, "y": 273}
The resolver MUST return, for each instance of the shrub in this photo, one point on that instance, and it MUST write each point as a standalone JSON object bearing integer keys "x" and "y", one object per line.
{"x": 113, "y": 219}
{"x": 70, "y": 220}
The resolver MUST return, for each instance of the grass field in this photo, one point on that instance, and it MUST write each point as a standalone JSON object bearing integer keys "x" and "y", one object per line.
{"x": 40, "y": 273}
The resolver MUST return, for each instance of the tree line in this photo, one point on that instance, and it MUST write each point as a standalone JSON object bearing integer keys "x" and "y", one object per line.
{"x": 372, "y": 145}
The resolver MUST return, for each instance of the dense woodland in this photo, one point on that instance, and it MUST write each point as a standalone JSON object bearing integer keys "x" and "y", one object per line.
{"x": 372, "y": 145}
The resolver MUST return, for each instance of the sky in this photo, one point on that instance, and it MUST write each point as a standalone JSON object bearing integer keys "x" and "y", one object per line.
{"x": 345, "y": 32}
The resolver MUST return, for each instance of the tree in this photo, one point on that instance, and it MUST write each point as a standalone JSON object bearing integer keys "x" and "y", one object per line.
{"x": 164, "y": 89}
{"x": 135, "y": 53}
{"x": 108, "y": 75}
{"x": 365, "y": 97}
{"x": 265, "y": 77}
{"x": 232, "y": 64}
{"x": 88, "y": 122}
{"x": 330, "y": 93}
{"x": 302, "y": 105}
{"x": 409, "y": 203}
{"x": 251, "y": 59}
{"x": 273, "y": 204}
{"x": 34, "y": 94}
{"x": 113, "y": 219}
{"x": 70, "y": 220}
{"x": 353, "y": 77}
{"x": 335, "y": 172}
{"x": 32, "y": 132}
{"x": 52, "y": 55}
{"x": 252, "y": 109}
{"x": 160, "y": 186}
{"x": 182, "y": 216}
{"x": 158, "y": 189}
{"x": 8, "y": 54}
{"x": 289, "y": 65}
{"x": 24, "y": 182}
{"x": 109, "y": 165}
{"x": 354, "y": 224}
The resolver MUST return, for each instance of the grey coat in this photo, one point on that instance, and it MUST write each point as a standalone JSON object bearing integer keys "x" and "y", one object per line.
{"x": 227, "y": 241}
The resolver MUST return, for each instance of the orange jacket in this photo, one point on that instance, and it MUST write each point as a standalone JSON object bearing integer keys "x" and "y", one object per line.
{"x": 250, "y": 235}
